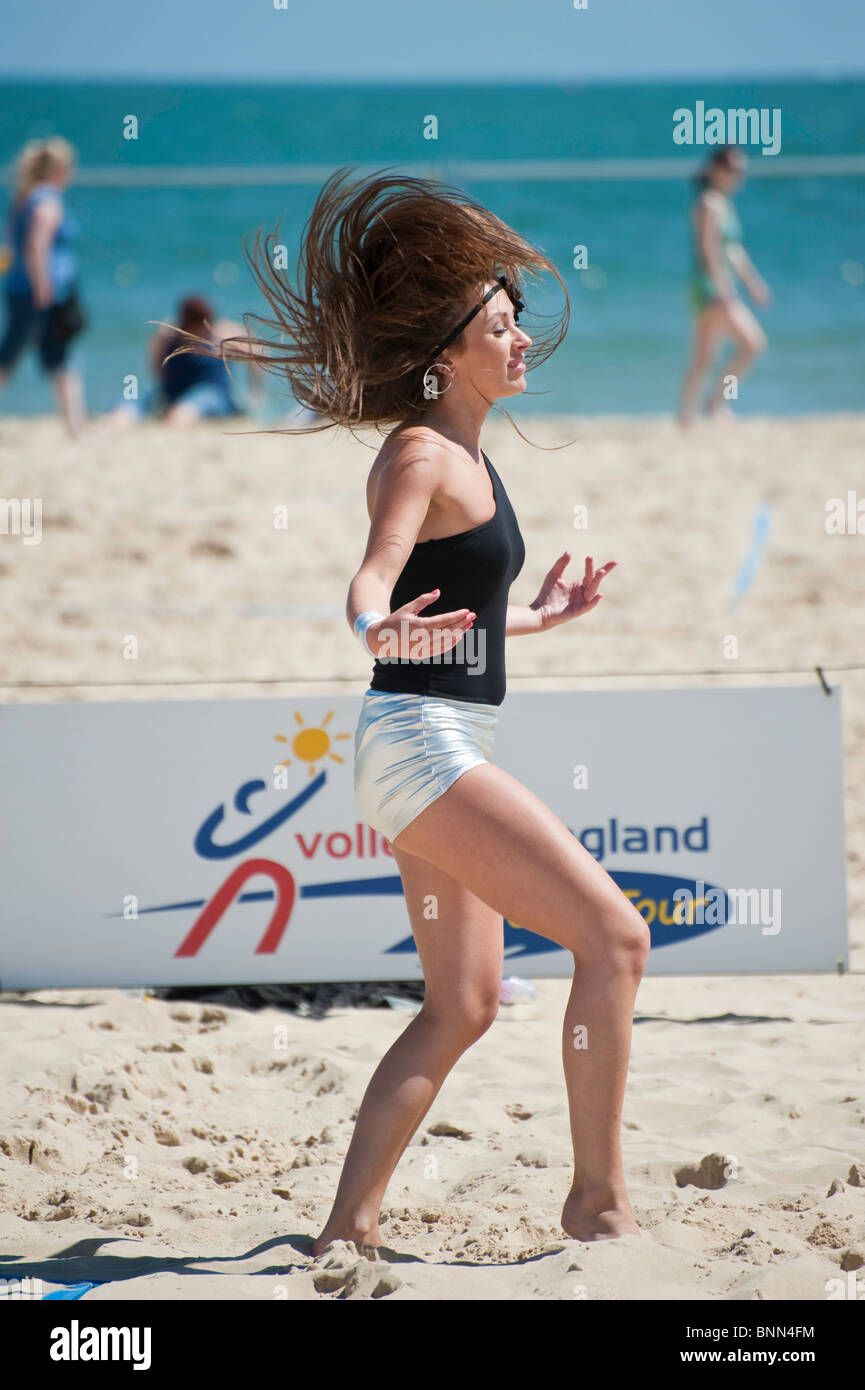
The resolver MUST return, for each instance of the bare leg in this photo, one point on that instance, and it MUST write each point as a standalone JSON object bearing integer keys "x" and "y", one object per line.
{"x": 510, "y": 851}
{"x": 461, "y": 951}
{"x": 514, "y": 853}
{"x": 750, "y": 340}
{"x": 117, "y": 421}
{"x": 181, "y": 415}
{"x": 69, "y": 390}
{"x": 598, "y": 1019}
{"x": 708, "y": 330}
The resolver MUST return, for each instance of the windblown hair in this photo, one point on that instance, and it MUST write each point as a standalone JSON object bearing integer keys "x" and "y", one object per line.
{"x": 39, "y": 160}
{"x": 387, "y": 268}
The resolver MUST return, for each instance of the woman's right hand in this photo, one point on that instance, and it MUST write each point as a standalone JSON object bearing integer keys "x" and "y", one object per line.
{"x": 759, "y": 290}
{"x": 403, "y": 634}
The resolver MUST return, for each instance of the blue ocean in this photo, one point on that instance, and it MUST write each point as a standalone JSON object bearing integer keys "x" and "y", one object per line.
{"x": 166, "y": 214}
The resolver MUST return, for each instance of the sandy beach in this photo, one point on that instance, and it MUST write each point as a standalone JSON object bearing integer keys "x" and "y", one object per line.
{"x": 176, "y": 1149}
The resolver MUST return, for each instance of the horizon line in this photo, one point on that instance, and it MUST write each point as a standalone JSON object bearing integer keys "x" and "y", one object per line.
{"x": 477, "y": 170}
{"x": 300, "y": 79}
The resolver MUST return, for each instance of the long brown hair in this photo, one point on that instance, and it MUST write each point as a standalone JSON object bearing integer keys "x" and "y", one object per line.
{"x": 388, "y": 266}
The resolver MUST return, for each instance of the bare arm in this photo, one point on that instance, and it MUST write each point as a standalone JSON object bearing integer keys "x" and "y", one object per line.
{"x": 740, "y": 259}
{"x": 403, "y": 493}
{"x": 402, "y": 498}
{"x": 227, "y": 328}
{"x": 522, "y": 619}
{"x": 240, "y": 340}
{"x": 45, "y": 220}
{"x": 747, "y": 271}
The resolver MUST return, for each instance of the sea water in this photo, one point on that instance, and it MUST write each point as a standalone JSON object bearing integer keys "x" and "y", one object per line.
{"x": 150, "y": 233}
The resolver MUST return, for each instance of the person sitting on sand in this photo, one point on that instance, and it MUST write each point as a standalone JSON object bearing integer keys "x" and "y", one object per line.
{"x": 191, "y": 385}
{"x": 720, "y": 257}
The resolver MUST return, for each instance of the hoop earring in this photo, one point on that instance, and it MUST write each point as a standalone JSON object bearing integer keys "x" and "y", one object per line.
{"x": 431, "y": 390}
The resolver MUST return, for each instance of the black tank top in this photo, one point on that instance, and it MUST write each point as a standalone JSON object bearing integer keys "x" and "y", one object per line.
{"x": 474, "y": 569}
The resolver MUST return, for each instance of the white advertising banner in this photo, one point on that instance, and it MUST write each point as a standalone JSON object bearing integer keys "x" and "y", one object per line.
{"x": 216, "y": 842}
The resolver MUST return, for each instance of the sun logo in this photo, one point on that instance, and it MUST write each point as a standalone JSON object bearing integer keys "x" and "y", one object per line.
{"x": 310, "y": 745}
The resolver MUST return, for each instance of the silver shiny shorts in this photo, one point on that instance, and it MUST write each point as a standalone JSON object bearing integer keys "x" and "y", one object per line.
{"x": 408, "y": 749}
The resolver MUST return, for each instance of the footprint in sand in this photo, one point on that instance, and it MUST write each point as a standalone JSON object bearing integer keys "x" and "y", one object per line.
{"x": 354, "y": 1271}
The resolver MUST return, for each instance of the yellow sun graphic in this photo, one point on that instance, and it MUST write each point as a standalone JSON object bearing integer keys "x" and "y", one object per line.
{"x": 310, "y": 745}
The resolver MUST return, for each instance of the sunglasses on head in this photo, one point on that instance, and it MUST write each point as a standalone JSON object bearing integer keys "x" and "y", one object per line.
{"x": 502, "y": 283}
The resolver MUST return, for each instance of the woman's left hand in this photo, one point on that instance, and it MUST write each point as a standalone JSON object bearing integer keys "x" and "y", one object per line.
{"x": 559, "y": 600}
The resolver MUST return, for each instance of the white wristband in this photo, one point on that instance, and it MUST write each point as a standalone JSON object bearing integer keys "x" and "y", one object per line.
{"x": 362, "y": 622}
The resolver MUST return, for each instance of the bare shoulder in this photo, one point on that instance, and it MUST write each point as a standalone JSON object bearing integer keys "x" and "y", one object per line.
{"x": 413, "y": 446}
{"x": 47, "y": 212}
{"x": 711, "y": 201}
{"x": 413, "y": 456}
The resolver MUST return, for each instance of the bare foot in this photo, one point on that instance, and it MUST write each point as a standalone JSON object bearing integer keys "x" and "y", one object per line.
{"x": 82, "y": 432}
{"x": 586, "y": 1219}
{"x": 364, "y": 1240}
{"x": 115, "y": 422}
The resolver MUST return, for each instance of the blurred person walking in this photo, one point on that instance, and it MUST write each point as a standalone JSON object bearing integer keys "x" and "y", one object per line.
{"x": 42, "y": 303}
{"x": 719, "y": 258}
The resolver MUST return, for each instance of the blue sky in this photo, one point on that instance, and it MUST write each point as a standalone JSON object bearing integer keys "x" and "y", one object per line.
{"x": 393, "y": 40}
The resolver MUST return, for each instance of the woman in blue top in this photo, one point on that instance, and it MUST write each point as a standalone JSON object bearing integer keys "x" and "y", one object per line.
{"x": 719, "y": 259}
{"x": 189, "y": 386}
{"x": 42, "y": 272}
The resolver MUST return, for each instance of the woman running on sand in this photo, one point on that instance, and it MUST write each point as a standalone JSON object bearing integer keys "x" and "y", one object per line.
{"x": 719, "y": 312}
{"x": 406, "y": 316}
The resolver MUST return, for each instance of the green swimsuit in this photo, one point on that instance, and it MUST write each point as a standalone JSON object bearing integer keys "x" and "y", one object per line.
{"x": 701, "y": 286}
